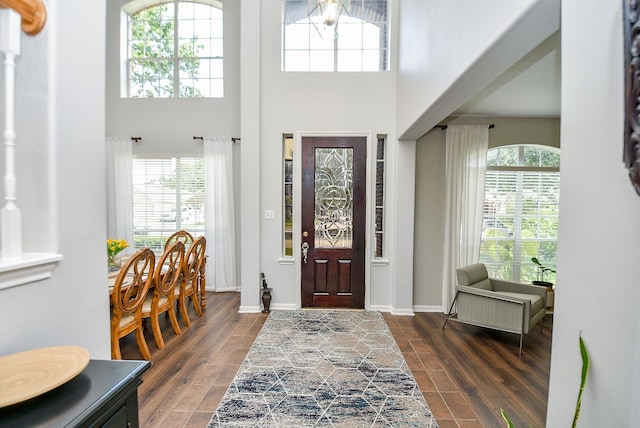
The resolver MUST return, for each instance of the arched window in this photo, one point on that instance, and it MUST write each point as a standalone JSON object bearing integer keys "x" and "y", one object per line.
{"x": 173, "y": 49}
{"x": 520, "y": 219}
{"x": 362, "y": 44}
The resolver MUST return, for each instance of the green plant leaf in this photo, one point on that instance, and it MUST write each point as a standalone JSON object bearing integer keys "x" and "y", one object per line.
{"x": 506, "y": 418}
{"x": 535, "y": 260}
{"x": 586, "y": 363}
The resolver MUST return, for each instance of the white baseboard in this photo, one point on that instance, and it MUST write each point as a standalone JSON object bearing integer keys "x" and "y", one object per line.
{"x": 427, "y": 308}
{"x": 399, "y": 311}
{"x": 391, "y": 310}
{"x": 380, "y": 308}
{"x": 284, "y": 307}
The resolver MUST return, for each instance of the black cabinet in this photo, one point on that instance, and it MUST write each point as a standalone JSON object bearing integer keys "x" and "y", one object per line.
{"x": 105, "y": 394}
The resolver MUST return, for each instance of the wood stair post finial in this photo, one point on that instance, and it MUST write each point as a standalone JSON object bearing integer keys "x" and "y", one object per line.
{"x": 33, "y": 13}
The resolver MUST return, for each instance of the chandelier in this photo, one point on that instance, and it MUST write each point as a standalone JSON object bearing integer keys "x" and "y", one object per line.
{"x": 325, "y": 14}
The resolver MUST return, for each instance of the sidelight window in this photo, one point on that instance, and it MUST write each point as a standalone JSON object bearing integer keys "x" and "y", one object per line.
{"x": 287, "y": 187}
{"x": 379, "y": 216}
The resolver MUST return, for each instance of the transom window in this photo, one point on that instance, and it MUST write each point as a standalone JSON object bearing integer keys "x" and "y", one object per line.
{"x": 361, "y": 45}
{"x": 520, "y": 218}
{"x": 174, "y": 49}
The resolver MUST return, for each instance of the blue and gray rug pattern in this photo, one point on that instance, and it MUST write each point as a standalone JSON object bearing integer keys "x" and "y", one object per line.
{"x": 324, "y": 368}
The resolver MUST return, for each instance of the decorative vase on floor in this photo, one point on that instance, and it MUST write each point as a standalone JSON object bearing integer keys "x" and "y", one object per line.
{"x": 114, "y": 262}
{"x": 266, "y": 300}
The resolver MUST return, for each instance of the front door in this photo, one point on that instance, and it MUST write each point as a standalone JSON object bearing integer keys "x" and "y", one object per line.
{"x": 333, "y": 221}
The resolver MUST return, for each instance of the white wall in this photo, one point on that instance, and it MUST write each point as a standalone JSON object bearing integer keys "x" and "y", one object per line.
{"x": 428, "y": 240}
{"x": 446, "y": 56}
{"x": 250, "y": 75}
{"x": 273, "y": 103}
{"x": 597, "y": 264}
{"x": 61, "y": 126}
{"x": 298, "y": 103}
{"x": 430, "y": 194}
{"x": 167, "y": 126}
{"x": 601, "y": 302}
{"x": 598, "y": 267}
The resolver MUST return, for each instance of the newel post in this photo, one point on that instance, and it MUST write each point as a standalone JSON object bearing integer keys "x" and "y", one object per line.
{"x": 10, "y": 216}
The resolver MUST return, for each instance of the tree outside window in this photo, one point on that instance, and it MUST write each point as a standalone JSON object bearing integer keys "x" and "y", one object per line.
{"x": 175, "y": 49}
{"x": 520, "y": 218}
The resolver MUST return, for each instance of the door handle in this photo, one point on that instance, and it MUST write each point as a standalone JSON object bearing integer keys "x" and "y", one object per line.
{"x": 305, "y": 250}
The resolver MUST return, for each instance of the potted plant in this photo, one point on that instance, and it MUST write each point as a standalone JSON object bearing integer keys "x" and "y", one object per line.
{"x": 542, "y": 272}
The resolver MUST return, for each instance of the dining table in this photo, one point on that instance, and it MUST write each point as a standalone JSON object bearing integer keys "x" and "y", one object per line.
{"x": 113, "y": 274}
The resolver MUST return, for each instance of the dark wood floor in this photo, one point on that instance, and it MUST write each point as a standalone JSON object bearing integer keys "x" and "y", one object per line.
{"x": 465, "y": 373}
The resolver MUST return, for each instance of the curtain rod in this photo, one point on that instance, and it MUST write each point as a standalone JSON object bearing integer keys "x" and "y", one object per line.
{"x": 136, "y": 139}
{"x": 443, "y": 127}
{"x": 234, "y": 139}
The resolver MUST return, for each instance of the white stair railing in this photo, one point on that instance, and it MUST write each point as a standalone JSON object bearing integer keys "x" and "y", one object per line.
{"x": 11, "y": 219}
{"x": 15, "y": 16}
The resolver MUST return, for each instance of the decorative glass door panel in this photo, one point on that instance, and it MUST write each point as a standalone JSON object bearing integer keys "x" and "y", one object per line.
{"x": 333, "y": 198}
{"x": 333, "y": 221}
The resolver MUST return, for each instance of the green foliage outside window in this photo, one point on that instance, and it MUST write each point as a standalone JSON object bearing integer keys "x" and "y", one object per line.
{"x": 175, "y": 50}
{"x": 520, "y": 219}
{"x": 536, "y": 156}
{"x": 152, "y": 55}
{"x": 530, "y": 156}
{"x": 193, "y": 169}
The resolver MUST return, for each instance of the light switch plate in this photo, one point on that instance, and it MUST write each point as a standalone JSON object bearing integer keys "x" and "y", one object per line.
{"x": 269, "y": 214}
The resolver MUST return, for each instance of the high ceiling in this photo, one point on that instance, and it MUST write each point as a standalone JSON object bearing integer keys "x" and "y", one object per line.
{"x": 530, "y": 88}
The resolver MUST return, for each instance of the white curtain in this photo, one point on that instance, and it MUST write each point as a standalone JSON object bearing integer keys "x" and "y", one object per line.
{"x": 220, "y": 227}
{"x": 119, "y": 193}
{"x": 466, "y": 164}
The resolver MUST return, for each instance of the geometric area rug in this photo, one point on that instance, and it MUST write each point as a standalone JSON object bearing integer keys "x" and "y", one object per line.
{"x": 324, "y": 368}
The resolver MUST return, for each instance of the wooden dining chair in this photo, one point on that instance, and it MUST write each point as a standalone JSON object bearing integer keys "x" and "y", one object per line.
{"x": 188, "y": 286}
{"x": 161, "y": 298}
{"x": 129, "y": 292}
{"x": 180, "y": 236}
{"x": 202, "y": 281}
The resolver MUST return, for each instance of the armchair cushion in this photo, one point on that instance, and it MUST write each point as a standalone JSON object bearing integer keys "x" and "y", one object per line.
{"x": 537, "y": 295}
{"x": 537, "y": 302}
{"x": 475, "y": 275}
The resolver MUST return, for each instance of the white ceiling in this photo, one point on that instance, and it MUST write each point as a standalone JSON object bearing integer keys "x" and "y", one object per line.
{"x": 530, "y": 88}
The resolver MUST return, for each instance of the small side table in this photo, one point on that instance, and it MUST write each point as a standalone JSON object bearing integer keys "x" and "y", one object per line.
{"x": 266, "y": 299}
{"x": 550, "y": 297}
{"x": 550, "y": 294}
{"x": 105, "y": 394}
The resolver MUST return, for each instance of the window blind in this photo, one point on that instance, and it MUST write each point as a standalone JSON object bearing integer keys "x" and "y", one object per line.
{"x": 520, "y": 221}
{"x": 168, "y": 195}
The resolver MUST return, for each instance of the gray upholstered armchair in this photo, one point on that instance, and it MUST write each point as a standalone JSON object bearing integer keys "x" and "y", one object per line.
{"x": 496, "y": 304}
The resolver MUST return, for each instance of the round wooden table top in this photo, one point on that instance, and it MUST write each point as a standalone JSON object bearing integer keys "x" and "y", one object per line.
{"x": 27, "y": 374}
